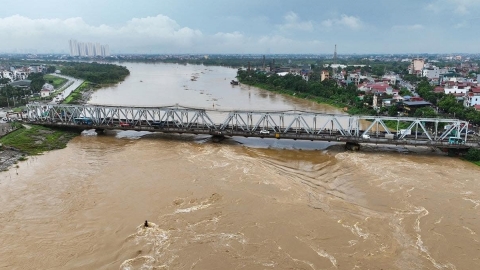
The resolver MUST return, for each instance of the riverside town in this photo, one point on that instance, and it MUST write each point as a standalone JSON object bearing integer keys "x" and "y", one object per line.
{"x": 240, "y": 135}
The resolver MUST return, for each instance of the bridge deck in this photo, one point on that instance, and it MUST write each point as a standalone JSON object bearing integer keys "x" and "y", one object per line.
{"x": 299, "y": 135}
{"x": 296, "y": 125}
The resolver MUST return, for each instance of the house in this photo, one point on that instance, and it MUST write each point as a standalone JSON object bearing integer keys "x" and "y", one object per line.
{"x": 48, "y": 87}
{"x": 44, "y": 93}
{"x": 379, "y": 88}
{"x": 473, "y": 97}
{"x": 325, "y": 75}
{"x": 409, "y": 107}
{"x": 46, "y": 90}
{"x": 452, "y": 87}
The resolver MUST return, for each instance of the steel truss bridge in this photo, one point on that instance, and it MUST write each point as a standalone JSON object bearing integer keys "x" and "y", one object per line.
{"x": 297, "y": 125}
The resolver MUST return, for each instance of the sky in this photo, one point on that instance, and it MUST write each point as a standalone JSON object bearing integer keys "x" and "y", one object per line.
{"x": 243, "y": 27}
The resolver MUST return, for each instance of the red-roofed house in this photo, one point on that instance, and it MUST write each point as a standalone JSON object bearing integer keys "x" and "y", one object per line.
{"x": 379, "y": 88}
{"x": 439, "y": 89}
{"x": 477, "y": 107}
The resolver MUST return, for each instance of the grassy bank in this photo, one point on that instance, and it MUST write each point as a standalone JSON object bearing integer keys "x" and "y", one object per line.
{"x": 57, "y": 82}
{"x": 76, "y": 96}
{"x": 34, "y": 140}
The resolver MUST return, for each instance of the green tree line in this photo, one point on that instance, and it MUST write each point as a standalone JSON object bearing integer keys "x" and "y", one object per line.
{"x": 95, "y": 72}
{"x": 327, "y": 91}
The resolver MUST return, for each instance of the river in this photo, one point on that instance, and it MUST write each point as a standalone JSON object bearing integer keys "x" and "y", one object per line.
{"x": 239, "y": 204}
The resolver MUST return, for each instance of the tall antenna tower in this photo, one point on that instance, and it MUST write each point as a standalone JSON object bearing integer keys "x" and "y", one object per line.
{"x": 335, "y": 55}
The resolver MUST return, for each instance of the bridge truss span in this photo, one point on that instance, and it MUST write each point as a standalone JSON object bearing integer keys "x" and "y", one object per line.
{"x": 279, "y": 124}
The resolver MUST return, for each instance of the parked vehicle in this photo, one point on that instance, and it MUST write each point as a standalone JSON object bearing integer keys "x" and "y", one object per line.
{"x": 455, "y": 140}
{"x": 157, "y": 124}
{"x": 263, "y": 131}
{"x": 83, "y": 121}
{"x": 365, "y": 136}
{"x": 125, "y": 124}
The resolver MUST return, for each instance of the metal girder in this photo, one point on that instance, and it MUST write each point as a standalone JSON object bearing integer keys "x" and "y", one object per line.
{"x": 286, "y": 122}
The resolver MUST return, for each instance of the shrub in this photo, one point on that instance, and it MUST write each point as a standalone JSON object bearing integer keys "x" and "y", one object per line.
{"x": 473, "y": 154}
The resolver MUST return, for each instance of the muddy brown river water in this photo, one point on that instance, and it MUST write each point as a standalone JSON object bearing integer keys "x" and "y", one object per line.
{"x": 240, "y": 204}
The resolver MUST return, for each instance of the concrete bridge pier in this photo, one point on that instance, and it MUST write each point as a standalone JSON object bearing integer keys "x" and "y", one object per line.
{"x": 352, "y": 146}
{"x": 217, "y": 138}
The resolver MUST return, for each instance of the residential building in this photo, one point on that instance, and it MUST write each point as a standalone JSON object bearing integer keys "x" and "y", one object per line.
{"x": 473, "y": 97}
{"x": 324, "y": 75}
{"x": 417, "y": 66}
{"x": 90, "y": 49}
{"x": 453, "y": 87}
{"x": 74, "y": 49}
{"x": 8, "y": 75}
{"x": 48, "y": 87}
{"x": 44, "y": 93}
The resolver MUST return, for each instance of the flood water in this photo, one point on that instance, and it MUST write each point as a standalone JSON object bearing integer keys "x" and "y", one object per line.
{"x": 240, "y": 204}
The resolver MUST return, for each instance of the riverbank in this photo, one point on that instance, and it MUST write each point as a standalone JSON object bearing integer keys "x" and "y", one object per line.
{"x": 34, "y": 140}
{"x": 30, "y": 140}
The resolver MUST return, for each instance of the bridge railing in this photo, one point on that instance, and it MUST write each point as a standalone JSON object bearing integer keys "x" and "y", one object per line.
{"x": 282, "y": 122}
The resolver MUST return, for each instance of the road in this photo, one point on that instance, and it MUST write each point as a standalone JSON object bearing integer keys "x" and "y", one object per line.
{"x": 68, "y": 90}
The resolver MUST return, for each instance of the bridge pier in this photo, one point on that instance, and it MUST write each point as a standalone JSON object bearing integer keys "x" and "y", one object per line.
{"x": 352, "y": 146}
{"x": 100, "y": 131}
{"x": 217, "y": 138}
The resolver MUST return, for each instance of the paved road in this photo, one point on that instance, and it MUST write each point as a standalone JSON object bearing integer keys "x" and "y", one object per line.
{"x": 67, "y": 91}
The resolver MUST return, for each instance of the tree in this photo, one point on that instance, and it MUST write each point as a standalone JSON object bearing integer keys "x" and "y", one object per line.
{"x": 473, "y": 154}
{"x": 425, "y": 112}
{"x": 404, "y": 92}
{"x": 4, "y": 80}
{"x": 51, "y": 69}
{"x": 393, "y": 110}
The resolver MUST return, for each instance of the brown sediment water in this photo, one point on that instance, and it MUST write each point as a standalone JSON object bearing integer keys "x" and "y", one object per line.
{"x": 239, "y": 204}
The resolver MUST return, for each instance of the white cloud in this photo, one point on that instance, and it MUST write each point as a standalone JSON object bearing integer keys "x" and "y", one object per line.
{"x": 158, "y": 34}
{"x": 460, "y": 7}
{"x": 53, "y": 34}
{"x": 292, "y": 22}
{"x": 351, "y": 22}
{"x": 408, "y": 27}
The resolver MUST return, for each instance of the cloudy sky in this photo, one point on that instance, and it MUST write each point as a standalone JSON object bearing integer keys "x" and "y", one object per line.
{"x": 246, "y": 26}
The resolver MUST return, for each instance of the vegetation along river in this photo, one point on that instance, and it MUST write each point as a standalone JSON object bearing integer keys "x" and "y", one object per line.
{"x": 239, "y": 204}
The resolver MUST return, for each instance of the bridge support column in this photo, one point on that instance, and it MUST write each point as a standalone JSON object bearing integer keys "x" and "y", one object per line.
{"x": 352, "y": 146}
{"x": 100, "y": 131}
{"x": 217, "y": 138}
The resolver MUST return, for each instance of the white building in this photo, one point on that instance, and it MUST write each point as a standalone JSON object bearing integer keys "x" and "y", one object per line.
{"x": 82, "y": 49}
{"x": 88, "y": 49}
{"x": 74, "y": 49}
{"x": 98, "y": 49}
{"x": 20, "y": 75}
{"x": 454, "y": 88}
{"x": 473, "y": 97}
{"x": 8, "y": 75}
{"x": 44, "y": 93}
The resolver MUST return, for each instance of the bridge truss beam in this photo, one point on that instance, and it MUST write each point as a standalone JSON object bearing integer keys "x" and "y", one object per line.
{"x": 250, "y": 122}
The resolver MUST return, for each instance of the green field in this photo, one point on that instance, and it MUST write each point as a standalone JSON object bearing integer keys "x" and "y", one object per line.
{"x": 57, "y": 82}
{"x": 37, "y": 139}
